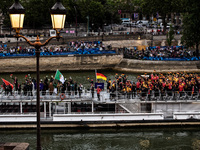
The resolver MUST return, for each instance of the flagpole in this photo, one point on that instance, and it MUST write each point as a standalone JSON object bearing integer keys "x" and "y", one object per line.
{"x": 55, "y": 74}
{"x": 96, "y": 74}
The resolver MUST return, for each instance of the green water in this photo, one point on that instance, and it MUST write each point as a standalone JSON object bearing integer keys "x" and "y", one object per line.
{"x": 79, "y": 76}
{"x": 109, "y": 139}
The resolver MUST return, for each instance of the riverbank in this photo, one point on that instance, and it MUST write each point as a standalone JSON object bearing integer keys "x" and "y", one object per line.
{"x": 145, "y": 66}
{"x": 91, "y": 62}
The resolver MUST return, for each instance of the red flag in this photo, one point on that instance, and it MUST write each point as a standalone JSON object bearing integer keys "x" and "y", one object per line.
{"x": 7, "y": 82}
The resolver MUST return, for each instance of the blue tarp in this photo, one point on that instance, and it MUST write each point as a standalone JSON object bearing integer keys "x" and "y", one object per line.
{"x": 79, "y": 51}
{"x": 172, "y": 59}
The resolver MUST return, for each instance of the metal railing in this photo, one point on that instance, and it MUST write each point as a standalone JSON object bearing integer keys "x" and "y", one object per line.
{"x": 104, "y": 96}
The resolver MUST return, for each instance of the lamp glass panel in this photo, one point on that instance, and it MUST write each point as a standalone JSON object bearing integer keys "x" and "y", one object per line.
{"x": 58, "y": 21}
{"x": 17, "y": 20}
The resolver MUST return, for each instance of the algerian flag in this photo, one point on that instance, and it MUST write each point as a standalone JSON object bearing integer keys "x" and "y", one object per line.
{"x": 59, "y": 76}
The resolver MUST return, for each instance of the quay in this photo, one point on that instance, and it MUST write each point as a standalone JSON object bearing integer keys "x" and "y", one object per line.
{"x": 114, "y": 62}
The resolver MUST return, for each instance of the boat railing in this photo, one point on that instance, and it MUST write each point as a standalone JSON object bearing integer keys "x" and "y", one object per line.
{"x": 104, "y": 95}
{"x": 44, "y": 95}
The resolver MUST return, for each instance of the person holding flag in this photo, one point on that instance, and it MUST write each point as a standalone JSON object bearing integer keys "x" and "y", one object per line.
{"x": 59, "y": 76}
{"x": 7, "y": 86}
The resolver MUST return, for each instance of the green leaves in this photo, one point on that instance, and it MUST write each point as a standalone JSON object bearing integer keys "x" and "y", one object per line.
{"x": 170, "y": 35}
{"x": 191, "y": 23}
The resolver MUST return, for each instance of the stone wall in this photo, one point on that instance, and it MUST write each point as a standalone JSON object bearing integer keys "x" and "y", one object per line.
{"x": 142, "y": 66}
{"x": 92, "y": 62}
{"x": 51, "y": 63}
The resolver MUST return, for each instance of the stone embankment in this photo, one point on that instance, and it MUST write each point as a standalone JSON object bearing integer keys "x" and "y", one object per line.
{"x": 63, "y": 63}
{"x": 144, "y": 66}
{"x": 92, "y": 62}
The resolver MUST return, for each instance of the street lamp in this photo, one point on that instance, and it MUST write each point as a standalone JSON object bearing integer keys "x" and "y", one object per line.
{"x": 76, "y": 20}
{"x": 58, "y": 15}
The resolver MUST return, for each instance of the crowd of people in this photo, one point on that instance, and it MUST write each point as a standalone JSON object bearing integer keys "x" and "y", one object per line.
{"x": 50, "y": 85}
{"x": 68, "y": 47}
{"x": 146, "y": 86}
{"x": 155, "y": 85}
{"x": 158, "y": 52}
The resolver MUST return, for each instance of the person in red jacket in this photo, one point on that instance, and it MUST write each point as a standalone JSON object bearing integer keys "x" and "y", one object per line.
{"x": 181, "y": 88}
{"x": 98, "y": 93}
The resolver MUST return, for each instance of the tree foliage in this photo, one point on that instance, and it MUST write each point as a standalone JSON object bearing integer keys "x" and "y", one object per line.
{"x": 170, "y": 35}
{"x": 162, "y": 7}
{"x": 191, "y": 23}
{"x": 37, "y": 12}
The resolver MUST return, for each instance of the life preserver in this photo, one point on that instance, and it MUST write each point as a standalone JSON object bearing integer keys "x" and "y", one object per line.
{"x": 62, "y": 96}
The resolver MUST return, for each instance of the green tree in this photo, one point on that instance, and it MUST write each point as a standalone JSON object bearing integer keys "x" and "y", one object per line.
{"x": 37, "y": 13}
{"x": 4, "y": 6}
{"x": 111, "y": 11}
{"x": 162, "y": 7}
{"x": 94, "y": 9}
{"x": 38, "y": 16}
{"x": 191, "y": 23}
{"x": 170, "y": 35}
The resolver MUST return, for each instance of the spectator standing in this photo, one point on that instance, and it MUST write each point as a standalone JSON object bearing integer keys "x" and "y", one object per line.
{"x": 98, "y": 93}
{"x": 92, "y": 90}
{"x": 80, "y": 90}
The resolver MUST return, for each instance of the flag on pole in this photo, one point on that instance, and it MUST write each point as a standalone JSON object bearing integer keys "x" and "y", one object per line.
{"x": 7, "y": 82}
{"x": 59, "y": 76}
{"x": 101, "y": 76}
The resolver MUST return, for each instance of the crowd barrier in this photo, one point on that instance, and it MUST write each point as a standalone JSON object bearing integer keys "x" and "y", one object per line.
{"x": 172, "y": 59}
{"x": 78, "y": 52}
{"x": 164, "y": 47}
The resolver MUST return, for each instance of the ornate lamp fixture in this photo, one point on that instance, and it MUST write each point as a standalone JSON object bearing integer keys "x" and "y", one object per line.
{"x": 58, "y": 15}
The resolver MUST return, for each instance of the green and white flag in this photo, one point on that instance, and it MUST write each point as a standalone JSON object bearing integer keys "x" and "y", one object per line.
{"x": 59, "y": 76}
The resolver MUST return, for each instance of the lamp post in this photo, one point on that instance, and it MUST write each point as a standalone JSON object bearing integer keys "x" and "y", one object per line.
{"x": 76, "y": 20}
{"x": 88, "y": 24}
{"x": 131, "y": 7}
{"x": 58, "y": 15}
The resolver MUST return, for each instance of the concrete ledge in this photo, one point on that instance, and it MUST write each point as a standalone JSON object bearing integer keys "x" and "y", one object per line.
{"x": 186, "y": 115}
{"x": 14, "y": 146}
{"x": 63, "y": 63}
{"x": 108, "y": 117}
{"x": 92, "y": 62}
{"x": 141, "y": 66}
{"x": 103, "y": 124}
{"x": 18, "y": 118}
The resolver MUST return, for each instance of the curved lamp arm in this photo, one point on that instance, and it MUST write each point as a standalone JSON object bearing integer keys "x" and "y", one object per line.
{"x": 27, "y": 40}
{"x": 37, "y": 44}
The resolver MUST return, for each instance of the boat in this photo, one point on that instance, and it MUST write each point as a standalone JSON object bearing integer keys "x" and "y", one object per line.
{"x": 70, "y": 110}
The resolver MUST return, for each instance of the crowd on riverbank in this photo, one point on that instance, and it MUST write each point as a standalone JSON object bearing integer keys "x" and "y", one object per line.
{"x": 69, "y": 47}
{"x": 158, "y": 52}
{"x": 156, "y": 85}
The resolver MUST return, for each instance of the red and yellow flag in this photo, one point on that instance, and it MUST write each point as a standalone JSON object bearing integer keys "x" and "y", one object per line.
{"x": 7, "y": 82}
{"x": 101, "y": 76}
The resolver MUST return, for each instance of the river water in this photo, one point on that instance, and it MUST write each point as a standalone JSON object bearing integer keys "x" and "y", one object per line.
{"x": 109, "y": 139}
{"x": 78, "y": 76}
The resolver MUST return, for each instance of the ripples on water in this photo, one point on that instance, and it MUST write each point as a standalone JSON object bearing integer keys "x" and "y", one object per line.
{"x": 78, "y": 76}
{"x": 109, "y": 139}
